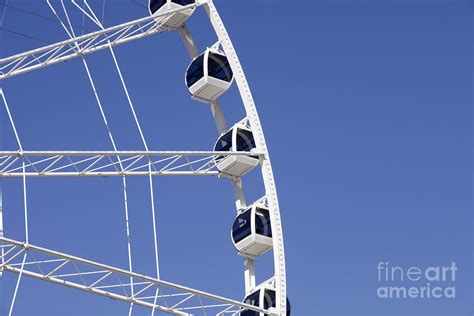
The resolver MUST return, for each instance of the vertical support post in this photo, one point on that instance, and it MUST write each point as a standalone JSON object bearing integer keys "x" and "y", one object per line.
{"x": 218, "y": 116}
{"x": 249, "y": 275}
{"x": 188, "y": 41}
{"x": 239, "y": 197}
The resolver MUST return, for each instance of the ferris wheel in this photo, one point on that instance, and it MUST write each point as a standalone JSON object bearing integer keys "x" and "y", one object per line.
{"x": 239, "y": 149}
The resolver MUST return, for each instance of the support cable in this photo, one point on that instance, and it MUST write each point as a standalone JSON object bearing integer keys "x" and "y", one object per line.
{"x": 5, "y": 6}
{"x": 11, "y": 120}
{"x": 103, "y": 12}
{"x": 154, "y": 302}
{"x": 122, "y": 80}
{"x": 24, "y": 35}
{"x": 45, "y": 18}
{"x": 154, "y": 224}
{"x": 112, "y": 140}
{"x": 17, "y": 285}
{"x": 4, "y": 12}
{"x": 139, "y": 4}
{"x": 132, "y": 108}
{"x": 2, "y": 252}
{"x": 25, "y": 202}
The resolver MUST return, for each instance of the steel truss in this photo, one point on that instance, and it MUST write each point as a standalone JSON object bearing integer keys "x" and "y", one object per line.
{"x": 85, "y": 44}
{"x": 104, "y": 280}
{"x": 110, "y": 163}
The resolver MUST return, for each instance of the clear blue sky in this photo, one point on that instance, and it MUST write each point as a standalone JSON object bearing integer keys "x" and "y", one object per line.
{"x": 367, "y": 109}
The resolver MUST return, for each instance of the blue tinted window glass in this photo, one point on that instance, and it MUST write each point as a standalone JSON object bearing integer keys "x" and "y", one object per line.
{"x": 252, "y": 299}
{"x": 262, "y": 222}
{"x": 242, "y": 227}
{"x": 154, "y": 5}
{"x": 224, "y": 144}
{"x": 195, "y": 71}
{"x": 245, "y": 141}
{"x": 218, "y": 67}
{"x": 183, "y": 2}
{"x": 249, "y": 313}
{"x": 269, "y": 299}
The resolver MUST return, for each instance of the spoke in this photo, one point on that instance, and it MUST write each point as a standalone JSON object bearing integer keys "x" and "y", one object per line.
{"x": 111, "y": 163}
{"x": 178, "y": 300}
{"x": 86, "y": 44}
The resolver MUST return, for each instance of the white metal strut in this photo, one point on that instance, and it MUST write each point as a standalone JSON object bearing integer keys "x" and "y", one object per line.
{"x": 100, "y": 279}
{"x": 107, "y": 163}
{"x": 85, "y": 44}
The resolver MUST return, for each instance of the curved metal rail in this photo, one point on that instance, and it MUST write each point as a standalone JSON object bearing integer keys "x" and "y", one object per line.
{"x": 267, "y": 172}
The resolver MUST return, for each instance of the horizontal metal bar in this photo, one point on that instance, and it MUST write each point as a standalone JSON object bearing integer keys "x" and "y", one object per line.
{"x": 131, "y": 163}
{"x": 37, "y": 262}
{"x": 85, "y": 44}
{"x": 126, "y": 153}
{"x": 92, "y": 290}
{"x": 109, "y": 174}
{"x": 90, "y": 35}
{"x": 77, "y": 274}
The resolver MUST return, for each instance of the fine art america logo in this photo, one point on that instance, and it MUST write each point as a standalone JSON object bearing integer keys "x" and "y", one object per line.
{"x": 434, "y": 282}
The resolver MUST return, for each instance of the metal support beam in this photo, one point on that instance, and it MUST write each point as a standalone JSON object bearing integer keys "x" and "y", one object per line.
{"x": 100, "y": 279}
{"x": 85, "y": 44}
{"x": 188, "y": 41}
{"x": 111, "y": 163}
{"x": 249, "y": 274}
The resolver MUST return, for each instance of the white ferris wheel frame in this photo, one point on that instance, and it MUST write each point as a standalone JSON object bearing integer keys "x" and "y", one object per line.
{"x": 139, "y": 163}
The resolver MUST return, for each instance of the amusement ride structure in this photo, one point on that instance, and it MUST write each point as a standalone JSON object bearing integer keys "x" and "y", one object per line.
{"x": 239, "y": 149}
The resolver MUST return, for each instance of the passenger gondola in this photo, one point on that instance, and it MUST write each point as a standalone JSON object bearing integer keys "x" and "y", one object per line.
{"x": 176, "y": 19}
{"x": 237, "y": 138}
{"x": 209, "y": 75}
{"x": 263, "y": 296}
{"x": 252, "y": 230}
